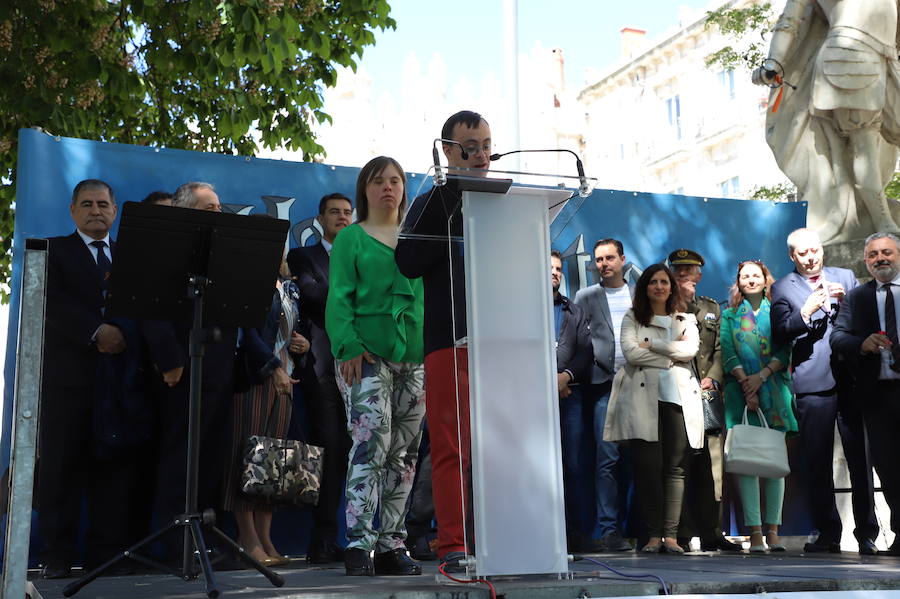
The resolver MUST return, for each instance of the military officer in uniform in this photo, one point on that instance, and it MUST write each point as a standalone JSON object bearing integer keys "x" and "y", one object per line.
{"x": 702, "y": 507}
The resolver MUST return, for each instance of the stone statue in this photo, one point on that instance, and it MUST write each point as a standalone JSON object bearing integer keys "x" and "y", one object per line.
{"x": 836, "y": 129}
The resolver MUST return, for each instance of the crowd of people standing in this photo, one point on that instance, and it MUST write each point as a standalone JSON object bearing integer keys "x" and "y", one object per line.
{"x": 367, "y": 329}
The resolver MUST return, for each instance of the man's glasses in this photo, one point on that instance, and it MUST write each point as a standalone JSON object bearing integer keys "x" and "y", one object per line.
{"x": 472, "y": 149}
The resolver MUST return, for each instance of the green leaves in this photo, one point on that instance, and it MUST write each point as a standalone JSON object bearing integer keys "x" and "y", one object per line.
{"x": 193, "y": 75}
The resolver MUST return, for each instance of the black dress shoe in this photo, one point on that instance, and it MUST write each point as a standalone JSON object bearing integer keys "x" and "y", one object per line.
{"x": 55, "y": 570}
{"x": 720, "y": 544}
{"x": 357, "y": 562}
{"x": 823, "y": 547}
{"x": 324, "y": 552}
{"x": 396, "y": 563}
{"x": 867, "y": 547}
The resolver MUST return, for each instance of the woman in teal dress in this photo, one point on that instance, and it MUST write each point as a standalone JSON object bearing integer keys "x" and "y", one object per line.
{"x": 756, "y": 377}
{"x": 374, "y": 318}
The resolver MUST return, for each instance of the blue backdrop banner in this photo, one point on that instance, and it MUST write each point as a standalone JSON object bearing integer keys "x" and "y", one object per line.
{"x": 650, "y": 225}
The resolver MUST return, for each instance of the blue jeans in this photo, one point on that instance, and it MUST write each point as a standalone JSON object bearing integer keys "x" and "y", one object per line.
{"x": 607, "y": 455}
{"x": 575, "y": 415}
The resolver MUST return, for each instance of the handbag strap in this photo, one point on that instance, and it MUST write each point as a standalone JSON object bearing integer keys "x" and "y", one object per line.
{"x": 268, "y": 419}
{"x": 759, "y": 414}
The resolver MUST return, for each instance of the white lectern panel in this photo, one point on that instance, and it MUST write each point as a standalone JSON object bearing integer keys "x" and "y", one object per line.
{"x": 516, "y": 463}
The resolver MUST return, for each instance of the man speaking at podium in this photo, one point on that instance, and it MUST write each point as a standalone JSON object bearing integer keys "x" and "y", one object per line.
{"x": 466, "y": 138}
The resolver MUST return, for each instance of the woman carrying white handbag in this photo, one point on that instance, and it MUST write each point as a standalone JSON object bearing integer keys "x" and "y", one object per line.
{"x": 756, "y": 379}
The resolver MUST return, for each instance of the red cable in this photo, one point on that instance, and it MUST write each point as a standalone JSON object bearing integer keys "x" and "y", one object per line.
{"x": 477, "y": 581}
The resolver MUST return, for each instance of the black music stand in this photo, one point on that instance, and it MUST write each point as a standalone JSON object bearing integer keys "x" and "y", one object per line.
{"x": 194, "y": 268}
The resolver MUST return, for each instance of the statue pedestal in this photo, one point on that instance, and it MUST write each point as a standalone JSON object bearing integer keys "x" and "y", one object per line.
{"x": 848, "y": 254}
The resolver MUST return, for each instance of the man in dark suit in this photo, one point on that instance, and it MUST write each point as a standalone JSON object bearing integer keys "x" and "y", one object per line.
{"x": 865, "y": 339}
{"x": 327, "y": 416}
{"x": 574, "y": 356}
{"x": 804, "y": 305}
{"x": 605, "y": 305}
{"x": 76, "y": 333}
{"x": 168, "y": 349}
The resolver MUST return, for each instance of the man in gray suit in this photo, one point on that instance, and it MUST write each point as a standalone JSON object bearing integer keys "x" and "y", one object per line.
{"x": 605, "y": 305}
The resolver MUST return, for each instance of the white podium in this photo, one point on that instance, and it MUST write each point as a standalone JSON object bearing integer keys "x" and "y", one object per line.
{"x": 503, "y": 243}
{"x": 516, "y": 459}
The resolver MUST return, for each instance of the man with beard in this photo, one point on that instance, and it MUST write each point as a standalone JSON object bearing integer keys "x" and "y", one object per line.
{"x": 865, "y": 337}
{"x": 804, "y": 305}
{"x": 605, "y": 305}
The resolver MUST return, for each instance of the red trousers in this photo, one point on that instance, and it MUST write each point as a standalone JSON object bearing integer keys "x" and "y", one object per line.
{"x": 448, "y": 427}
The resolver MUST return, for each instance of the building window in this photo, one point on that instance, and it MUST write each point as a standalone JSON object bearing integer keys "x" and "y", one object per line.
{"x": 673, "y": 113}
{"x": 730, "y": 188}
{"x": 726, "y": 80}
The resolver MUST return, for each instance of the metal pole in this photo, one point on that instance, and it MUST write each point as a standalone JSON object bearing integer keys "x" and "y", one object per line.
{"x": 511, "y": 68}
{"x": 26, "y": 411}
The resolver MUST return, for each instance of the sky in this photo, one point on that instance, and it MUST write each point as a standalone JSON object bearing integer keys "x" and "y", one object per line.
{"x": 468, "y": 34}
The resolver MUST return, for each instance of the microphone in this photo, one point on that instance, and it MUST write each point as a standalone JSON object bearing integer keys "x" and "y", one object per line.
{"x": 440, "y": 177}
{"x": 584, "y": 190}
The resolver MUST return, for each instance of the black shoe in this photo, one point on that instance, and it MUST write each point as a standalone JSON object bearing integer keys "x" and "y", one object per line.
{"x": 324, "y": 552}
{"x": 892, "y": 550}
{"x": 822, "y": 547}
{"x": 452, "y": 562}
{"x": 54, "y": 570}
{"x": 358, "y": 563}
{"x": 720, "y": 544}
{"x": 396, "y": 562}
{"x": 685, "y": 544}
{"x": 867, "y": 547}
{"x": 420, "y": 549}
{"x": 616, "y": 542}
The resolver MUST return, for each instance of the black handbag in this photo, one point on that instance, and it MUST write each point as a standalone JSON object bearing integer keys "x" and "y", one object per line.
{"x": 281, "y": 470}
{"x": 713, "y": 407}
{"x": 713, "y": 410}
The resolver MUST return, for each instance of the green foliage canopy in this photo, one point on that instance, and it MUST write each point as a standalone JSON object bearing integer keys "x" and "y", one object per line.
{"x": 196, "y": 75}
{"x": 744, "y": 26}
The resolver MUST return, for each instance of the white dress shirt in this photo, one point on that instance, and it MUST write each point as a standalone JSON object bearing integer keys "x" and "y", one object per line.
{"x": 88, "y": 240}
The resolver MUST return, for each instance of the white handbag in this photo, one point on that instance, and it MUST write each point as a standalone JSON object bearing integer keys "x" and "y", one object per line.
{"x": 756, "y": 450}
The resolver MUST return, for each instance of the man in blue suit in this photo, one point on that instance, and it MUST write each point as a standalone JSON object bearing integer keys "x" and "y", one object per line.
{"x": 605, "y": 305}
{"x": 805, "y": 304}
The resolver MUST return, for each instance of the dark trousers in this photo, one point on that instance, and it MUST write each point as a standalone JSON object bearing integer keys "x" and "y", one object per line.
{"x": 420, "y": 517}
{"x": 659, "y": 468}
{"x": 328, "y": 429}
{"x": 701, "y": 510}
{"x": 817, "y": 413}
{"x": 882, "y": 417}
{"x": 214, "y": 437}
{"x": 576, "y": 412}
{"x": 68, "y": 473}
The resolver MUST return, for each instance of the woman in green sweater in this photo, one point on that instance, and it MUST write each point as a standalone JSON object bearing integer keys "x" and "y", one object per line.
{"x": 373, "y": 317}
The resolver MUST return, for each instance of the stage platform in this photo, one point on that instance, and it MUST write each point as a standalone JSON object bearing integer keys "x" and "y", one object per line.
{"x": 690, "y": 574}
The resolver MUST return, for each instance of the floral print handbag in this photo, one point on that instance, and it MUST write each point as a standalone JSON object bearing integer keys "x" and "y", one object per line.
{"x": 281, "y": 470}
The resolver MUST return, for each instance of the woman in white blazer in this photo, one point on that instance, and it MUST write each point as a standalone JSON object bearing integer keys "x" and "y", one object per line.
{"x": 655, "y": 402}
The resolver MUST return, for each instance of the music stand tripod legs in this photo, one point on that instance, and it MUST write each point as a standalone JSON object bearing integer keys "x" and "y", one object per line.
{"x": 192, "y": 521}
